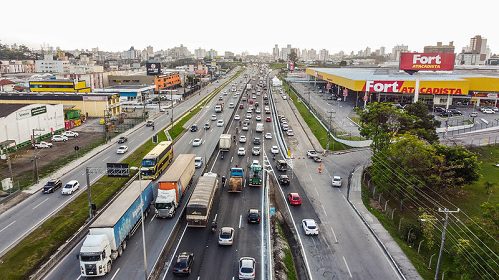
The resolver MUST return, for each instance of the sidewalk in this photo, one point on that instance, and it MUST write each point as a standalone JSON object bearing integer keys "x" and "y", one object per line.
{"x": 382, "y": 235}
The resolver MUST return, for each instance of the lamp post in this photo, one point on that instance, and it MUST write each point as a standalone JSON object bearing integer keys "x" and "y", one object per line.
{"x": 142, "y": 221}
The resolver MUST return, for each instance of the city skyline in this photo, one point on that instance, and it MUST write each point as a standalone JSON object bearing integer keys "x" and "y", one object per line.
{"x": 236, "y": 33}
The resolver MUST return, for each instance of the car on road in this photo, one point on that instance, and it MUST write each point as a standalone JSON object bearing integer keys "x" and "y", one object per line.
{"x": 290, "y": 132}
{"x": 162, "y": 109}
{"x": 149, "y": 123}
{"x": 231, "y": 105}
{"x": 207, "y": 126}
{"x": 241, "y": 106}
{"x": 312, "y": 153}
{"x": 242, "y": 139}
{"x": 122, "y": 149}
{"x": 253, "y": 216}
{"x": 198, "y": 162}
{"x": 310, "y": 227}
{"x": 70, "y": 187}
{"x": 455, "y": 112}
{"x": 183, "y": 264}
{"x": 52, "y": 185}
{"x": 248, "y": 116}
{"x": 122, "y": 140}
{"x": 197, "y": 142}
{"x": 220, "y": 123}
{"x": 241, "y": 151}
{"x": 247, "y": 268}
{"x": 258, "y": 111}
{"x": 70, "y": 133}
{"x": 226, "y": 236}
{"x": 255, "y": 151}
{"x": 473, "y": 114}
{"x": 245, "y": 127}
{"x": 237, "y": 117}
{"x": 268, "y": 135}
{"x": 283, "y": 179}
{"x": 446, "y": 114}
{"x": 294, "y": 199}
{"x": 336, "y": 181}
{"x": 488, "y": 111}
{"x": 59, "y": 138}
{"x": 43, "y": 145}
{"x": 274, "y": 150}
{"x": 194, "y": 128}
{"x": 213, "y": 117}
{"x": 256, "y": 141}
{"x": 258, "y": 118}
{"x": 439, "y": 110}
{"x": 268, "y": 119}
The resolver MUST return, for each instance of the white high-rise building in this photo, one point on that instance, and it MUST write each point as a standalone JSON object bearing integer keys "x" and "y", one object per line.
{"x": 396, "y": 50}
{"x": 275, "y": 52}
{"x": 323, "y": 55}
{"x": 49, "y": 65}
{"x": 200, "y": 53}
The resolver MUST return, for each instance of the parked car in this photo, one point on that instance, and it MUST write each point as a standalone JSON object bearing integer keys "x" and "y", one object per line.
{"x": 42, "y": 145}
{"x": 336, "y": 181}
{"x": 52, "y": 185}
{"x": 253, "y": 216}
{"x": 312, "y": 153}
{"x": 473, "y": 114}
{"x": 488, "y": 111}
{"x": 310, "y": 227}
{"x": 455, "y": 112}
{"x": 294, "y": 199}
{"x": 247, "y": 268}
{"x": 198, "y": 162}
{"x": 226, "y": 236}
{"x": 439, "y": 110}
{"x": 70, "y": 133}
{"x": 122, "y": 140}
{"x": 122, "y": 149}
{"x": 183, "y": 264}
{"x": 70, "y": 187}
{"x": 59, "y": 138}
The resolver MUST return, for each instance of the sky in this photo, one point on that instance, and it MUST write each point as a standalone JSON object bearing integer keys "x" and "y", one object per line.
{"x": 253, "y": 26}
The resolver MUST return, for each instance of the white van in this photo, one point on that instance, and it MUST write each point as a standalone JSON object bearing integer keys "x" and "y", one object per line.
{"x": 259, "y": 127}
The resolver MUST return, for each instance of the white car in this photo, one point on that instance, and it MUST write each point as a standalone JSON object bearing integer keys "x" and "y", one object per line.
{"x": 255, "y": 151}
{"x": 213, "y": 117}
{"x": 248, "y": 116}
{"x": 231, "y": 105}
{"x": 197, "y": 142}
{"x": 336, "y": 181}
{"x": 42, "y": 145}
{"x": 488, "y": 111}
{"x": 59, "y": 138}
{"x": 245, "y": 128}
{"x": 122, "y": 149}
{"x": 70, "y": 133}
{"x": 310, "y": 227}
{"x": 198, "y": 162}
{"x": 70, "y": 187}
{"x": 290, "y": 132}
{"x": 268, "y": 135}
{"x": 258, "y": 118}
{"x": 220, "y": 123}
{"x": 162, "y": 109}
{"x": 237, "y": 117}
{"x": 241, "y": 151}
{"x": 226, "y": 236}
{"x": 247, "y": 268}
{"x": 242, "y": 139}
{"x": 274, "y": 150}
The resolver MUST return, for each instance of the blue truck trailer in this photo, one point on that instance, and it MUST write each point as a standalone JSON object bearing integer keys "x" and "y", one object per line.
{"x": 108, "y": 234}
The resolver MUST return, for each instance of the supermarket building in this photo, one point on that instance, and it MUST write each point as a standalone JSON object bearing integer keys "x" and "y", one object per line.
{"x": 392, "y": 85}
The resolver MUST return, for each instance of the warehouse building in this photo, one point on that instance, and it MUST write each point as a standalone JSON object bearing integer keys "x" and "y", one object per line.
{"x": 58, "y": 86}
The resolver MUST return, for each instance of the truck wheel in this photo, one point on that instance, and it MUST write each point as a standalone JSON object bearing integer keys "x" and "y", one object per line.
{"x": 124, "y": 245}
{"x": 120, "y": 251}
{"x": 108, "y": 266}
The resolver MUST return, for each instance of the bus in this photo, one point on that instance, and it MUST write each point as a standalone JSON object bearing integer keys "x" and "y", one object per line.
{"x": 156, "y": 161}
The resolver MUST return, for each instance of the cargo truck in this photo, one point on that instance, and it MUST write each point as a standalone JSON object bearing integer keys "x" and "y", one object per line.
{"x": 219, "y": 107}
{"x": 108, "y": 234}
{"x": 236, "y": 180}
{"x": 225, "y": 142}
{"x": 199, "y": 206}
{"x": 255, "y": 175}
{"x": 173, "y": 184}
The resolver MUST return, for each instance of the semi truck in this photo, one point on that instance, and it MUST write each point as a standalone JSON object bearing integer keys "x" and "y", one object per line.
{"x": 255, "y": 175}
{"x": 236, "y": 180}
{"x": 108, "y": 234}
{"x": 199, "y": 206}
{"x": 225, "y": 142}
{"x": 173, "y": 184}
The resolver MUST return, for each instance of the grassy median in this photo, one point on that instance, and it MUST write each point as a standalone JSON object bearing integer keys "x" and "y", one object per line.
{"x": 26, "y": 257}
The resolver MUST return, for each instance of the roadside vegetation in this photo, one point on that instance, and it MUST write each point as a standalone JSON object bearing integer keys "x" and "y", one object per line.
{"x": 412, "y": 175}
{"x": 27, "y": 256}
{"x": 284, "y": 262}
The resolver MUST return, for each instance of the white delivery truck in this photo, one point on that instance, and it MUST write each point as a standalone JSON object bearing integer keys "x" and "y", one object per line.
{"x": 259, "y": 127}
{"x": 225, "y": 142}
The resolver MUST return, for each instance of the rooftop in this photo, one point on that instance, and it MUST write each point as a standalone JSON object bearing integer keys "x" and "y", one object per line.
{"x": 7, "y": 109}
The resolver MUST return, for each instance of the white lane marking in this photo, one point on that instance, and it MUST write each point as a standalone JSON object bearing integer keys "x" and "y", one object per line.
{"x": 199, "y": 277}
{"x": 316, "y": 191}
{"x": 175, "y": 252}
{"x": 190, "y": 141}
{"x": 231, "y": 159}
{"x": 78, "y": 277}
{"x": 114, "y": 275}
{"x": 104, "y": 159}
{"x": 7, "y": 226}
{"x": 324, "y": 209}
{"x": 36, "y": 206}
{"x": 153, "y": 216}
{"x": 240, "y": 218}
{"x": 350, "y": 273}
{"x": 334, "y": 234}
{"x": 216, "y": 215}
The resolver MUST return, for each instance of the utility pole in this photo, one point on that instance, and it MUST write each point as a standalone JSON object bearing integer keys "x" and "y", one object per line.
{"x": 35, "y": 160}
{"x": 329, "y": 129}
{"x": 446, "y": 222}
{"x": 89, "y": 193}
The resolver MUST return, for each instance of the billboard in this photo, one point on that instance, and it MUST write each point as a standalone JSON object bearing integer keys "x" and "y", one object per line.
{"x": 427, "y": 61}
{"x": 153, "y": 68}
{"x": 425, "y": 87}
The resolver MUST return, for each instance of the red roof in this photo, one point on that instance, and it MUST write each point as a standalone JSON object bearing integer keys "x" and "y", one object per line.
{"x": 5, "y": 82}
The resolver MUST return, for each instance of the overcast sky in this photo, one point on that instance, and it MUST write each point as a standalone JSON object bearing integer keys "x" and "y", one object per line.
{"x": 252, "y": 25}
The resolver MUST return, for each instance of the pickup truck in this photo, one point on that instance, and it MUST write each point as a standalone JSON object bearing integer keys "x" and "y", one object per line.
{"x": 42, "y": 145}
{"x": 312, "y": 153}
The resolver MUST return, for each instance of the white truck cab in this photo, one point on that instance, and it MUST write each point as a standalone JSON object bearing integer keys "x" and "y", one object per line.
{"x": 96, "y": 256}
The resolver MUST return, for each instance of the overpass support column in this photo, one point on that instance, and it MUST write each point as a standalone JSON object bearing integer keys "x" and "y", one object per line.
{"x": 416, "y": 91}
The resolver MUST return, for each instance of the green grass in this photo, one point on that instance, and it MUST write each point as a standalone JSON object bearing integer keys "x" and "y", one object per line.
{"x": 23, "y": 259}
{"x": 288, "y": 257}
{"x": 317, "y": 129}
{"x": 277, "y": 65}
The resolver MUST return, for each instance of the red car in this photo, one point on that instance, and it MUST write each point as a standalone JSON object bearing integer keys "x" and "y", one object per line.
{"x": 294, "y": 199}
{"x": 268, "y": 119}
{"x": 241, "y": 106}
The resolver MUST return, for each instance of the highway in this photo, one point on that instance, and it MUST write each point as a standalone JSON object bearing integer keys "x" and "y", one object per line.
{"x": 130, "y": 265}
{"x": 21, "y": 219}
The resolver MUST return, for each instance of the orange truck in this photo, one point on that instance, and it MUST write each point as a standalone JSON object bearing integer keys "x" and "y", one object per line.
{"x": 173, "y": 184}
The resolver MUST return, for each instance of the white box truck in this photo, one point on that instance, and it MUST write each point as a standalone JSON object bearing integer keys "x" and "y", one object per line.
{"x": 225, "y": 142}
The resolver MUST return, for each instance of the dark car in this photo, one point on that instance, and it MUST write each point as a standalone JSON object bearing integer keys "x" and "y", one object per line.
{"x": 184, "y": 262}
{"x": 194, "y": 128}
{"x": 52, "y": 185}
{"x": 253, "y": 216}
{"x": 446, "y": 114}
{"x": 284, "y": 179}
{"x": 256, "y": 141}
{"x": 122, "y": 140}
{"x": 439, "y": 110}
{"x": 455, "y": 112}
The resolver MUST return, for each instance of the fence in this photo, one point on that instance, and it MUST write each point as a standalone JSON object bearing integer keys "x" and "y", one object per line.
{"x": 469, "y": 128}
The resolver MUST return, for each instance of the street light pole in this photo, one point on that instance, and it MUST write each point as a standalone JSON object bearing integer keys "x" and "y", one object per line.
{"x": 89, "y": 193}
{"x": 142, "y": 221}
{"x": 329, "y": 130}
{"x": 446, "y": 222}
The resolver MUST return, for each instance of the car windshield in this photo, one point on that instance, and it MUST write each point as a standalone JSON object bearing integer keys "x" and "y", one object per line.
{"x": 311, "y": 226}
{"x": 246, "y": 269}
{"x": 225, "y": 235}
{"x": 68, "y": 186}
{"x": 181, "y": 263}
{"x": 90, "y": 257}
{"x": 50, "y": 183}
{"x": 148, "y": 162}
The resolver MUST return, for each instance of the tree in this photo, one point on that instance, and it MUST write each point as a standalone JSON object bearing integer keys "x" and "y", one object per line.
{"x": 343, "y": 63}
{"x": 427, "y": 227}
{"x": 292, "y": 56}
{"x": 424, "y": 124}
{"x": 458, "y": 167}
